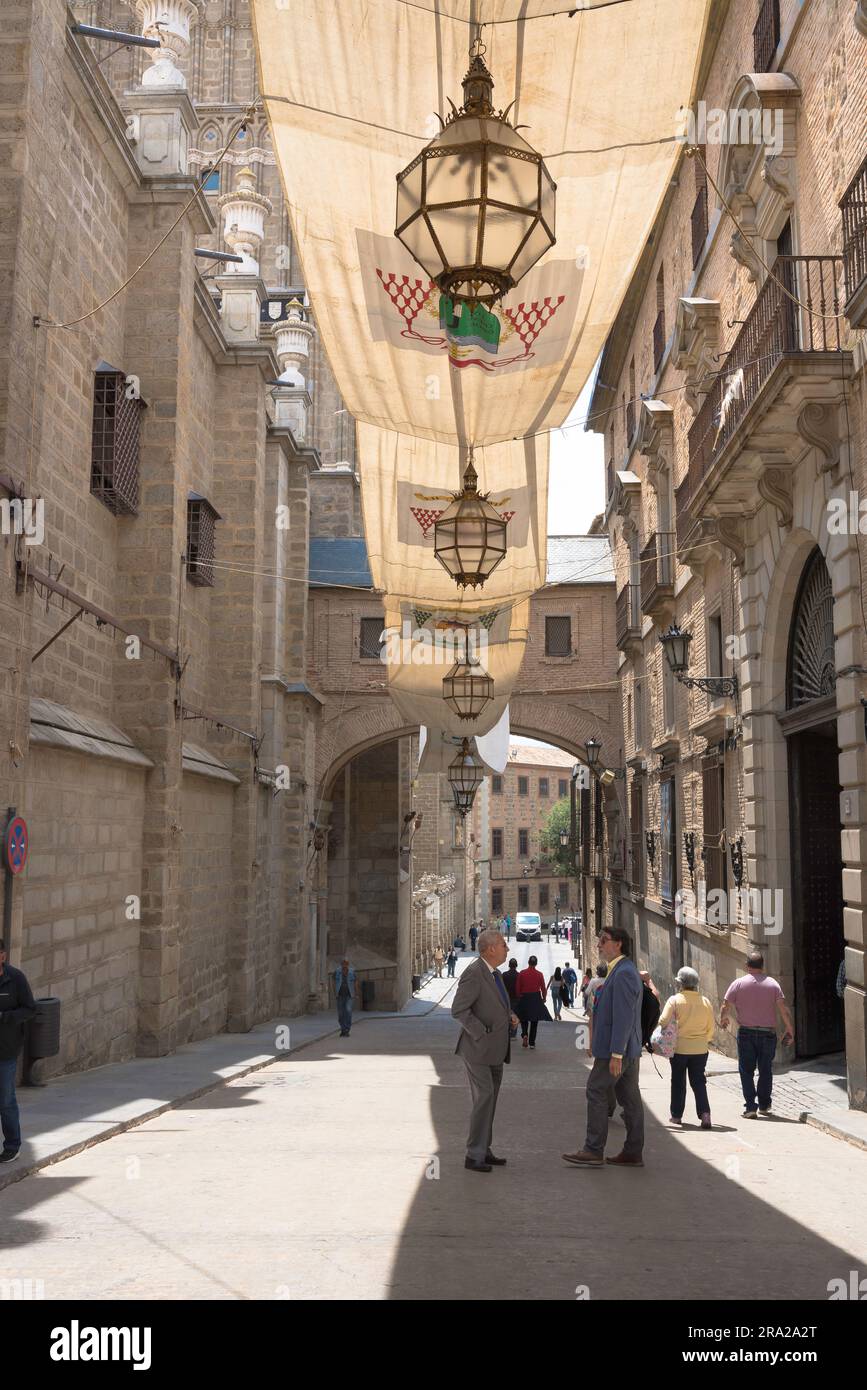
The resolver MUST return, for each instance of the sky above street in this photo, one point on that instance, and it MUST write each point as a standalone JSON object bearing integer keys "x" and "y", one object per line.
{"x": 576, "y": 484}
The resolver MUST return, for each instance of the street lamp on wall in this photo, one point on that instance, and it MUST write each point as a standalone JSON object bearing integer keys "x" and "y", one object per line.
{"x": 675, "y": 644}
{"x": 594, "y": 748}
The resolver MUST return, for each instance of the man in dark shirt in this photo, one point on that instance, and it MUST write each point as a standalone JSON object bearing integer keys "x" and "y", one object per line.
{"x": 16, "y": 1009}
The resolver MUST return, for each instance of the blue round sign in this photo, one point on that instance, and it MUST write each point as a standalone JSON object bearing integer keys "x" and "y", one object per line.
{"x": 16, "y": 844}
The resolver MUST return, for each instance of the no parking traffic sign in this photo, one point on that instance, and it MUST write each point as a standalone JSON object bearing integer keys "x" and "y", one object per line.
{"x": 15, "y": 844}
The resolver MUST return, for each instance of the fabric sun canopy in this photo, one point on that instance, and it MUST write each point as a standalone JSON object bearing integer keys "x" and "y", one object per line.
{"x": 354, "y": 90}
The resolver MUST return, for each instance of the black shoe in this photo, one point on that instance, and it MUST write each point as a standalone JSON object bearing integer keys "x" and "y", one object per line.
{"x": 8, "y": 1155}
{"x": 497, "y": 1162}
{"x": 475, "y": 1167}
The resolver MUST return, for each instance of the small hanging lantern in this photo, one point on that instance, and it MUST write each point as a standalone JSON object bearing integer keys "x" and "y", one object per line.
{"x": 467, "y": 688}
{"x": 470, "y": 536}
{"x": 475, "y": 208}
{"x": 465, "y": 777}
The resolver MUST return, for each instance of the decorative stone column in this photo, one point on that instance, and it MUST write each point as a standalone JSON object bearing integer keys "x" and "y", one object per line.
{"x": 169, "y": 21}
{"x": 293, "y": 400}
{"x": 241, "y": 286}
{"x": 161, "y": 120}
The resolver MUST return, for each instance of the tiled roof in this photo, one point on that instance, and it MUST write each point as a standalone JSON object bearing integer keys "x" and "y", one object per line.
{"x": 580, "y": 560}
{"x": 339, "y": 560}
{"x": 571, "y": 560}
{"x": 528, "y": 755}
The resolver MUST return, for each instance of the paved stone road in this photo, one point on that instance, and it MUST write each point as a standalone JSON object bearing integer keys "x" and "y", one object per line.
{"x": 338, "y": 1173}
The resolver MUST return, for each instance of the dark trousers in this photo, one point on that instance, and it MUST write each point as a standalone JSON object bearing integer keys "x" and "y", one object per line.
{"x": 756, "y": 1052}
{"x": 344, "y": 1012}
{"x": 532, "y": 1027}
{"x": 9, "y": 1104}
{"x": 692, "y": 1067}
{"x": 602, "y": 1090}
{"x": 451, "y": 969}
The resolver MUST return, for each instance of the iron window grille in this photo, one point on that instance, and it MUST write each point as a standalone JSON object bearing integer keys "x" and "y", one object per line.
{"x": 543, "y": 897}
{"x": 563, "y": 788}
{"x": 558, "y": 636}
{"x": 496, "y": 901}
{"x": 523, "y": 844}
{"x": 496, "y": 785}
{"x": 114, "y": 457}
{"x": 543, "y": 786}
{"x": 369, "y": 640}
{"x": 523, "y": 786}
{"x": 496, "y": 843}
{"x": 201, "y": 539}
{"x": 523, "y": 897}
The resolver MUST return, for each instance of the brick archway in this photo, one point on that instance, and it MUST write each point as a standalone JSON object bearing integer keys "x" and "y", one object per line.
{"x": 348, "y": 732}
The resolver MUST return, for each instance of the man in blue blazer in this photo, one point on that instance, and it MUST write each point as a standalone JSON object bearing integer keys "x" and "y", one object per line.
{"x": 616, "y": 1048}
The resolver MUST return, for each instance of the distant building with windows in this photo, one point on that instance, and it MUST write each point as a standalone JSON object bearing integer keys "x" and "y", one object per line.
{"x": 516, "y": 805}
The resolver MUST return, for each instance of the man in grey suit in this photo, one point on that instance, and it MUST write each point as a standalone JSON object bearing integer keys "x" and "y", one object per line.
{"x": 482, "y": 1008}
{"x": 616, "y": 1048}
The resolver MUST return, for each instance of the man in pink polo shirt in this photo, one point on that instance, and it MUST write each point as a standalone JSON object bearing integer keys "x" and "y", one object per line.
{"x": 756, "y": 998}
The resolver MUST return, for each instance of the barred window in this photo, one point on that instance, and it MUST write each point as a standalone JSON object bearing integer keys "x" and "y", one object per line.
{"x": 558, "y": 636}
{"x": 496, "y": 785}
{"x": 496, "y": 901}
{"x": 201, "y": 539}
{"x": 114, "y": 453}
{"x": 496, "y": 844}
{"x": 369, "y": 641}
{"x": 523, "y": 786}
{"x": 563, "y": 893}
{"x": 543, "y": 786}
{"x": 543, "y": 897}
{"x": 563, "y": 787}
{"x": 523, "y": 897}
{"x": 523, "y": 843}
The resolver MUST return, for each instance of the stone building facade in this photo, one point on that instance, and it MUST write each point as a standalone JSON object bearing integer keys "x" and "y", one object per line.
{"x": 732, "y": 400}
{"x": 517, "y": 805}
{"x": 218, "y": 790}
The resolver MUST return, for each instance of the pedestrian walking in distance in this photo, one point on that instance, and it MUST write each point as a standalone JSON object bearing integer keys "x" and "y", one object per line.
{"x": 531, "y": 1002}
{"x": 473, "y": 936}
{"x": 695, "y": 1028}
{"x": 555, "y": 988}
{"x": 451, "y": 962}
{"x": 585, "y": 981}
{"x": 596, "y": 983}
{"x": 345, "y": 990}
{"x": 438, "y": 962}
{"x": 17, "y": 1008}
{"x": 481, "y": 1006}
{"x": 757, "y": 999}
{"x": 570, "y": 980}
{"x": 616, "y": 1048}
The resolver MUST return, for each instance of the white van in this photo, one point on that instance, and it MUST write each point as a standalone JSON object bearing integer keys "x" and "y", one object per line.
{"x": 528, "y": 926}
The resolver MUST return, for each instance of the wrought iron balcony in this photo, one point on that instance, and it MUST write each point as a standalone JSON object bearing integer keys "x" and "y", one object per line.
{"x": 657, "y": 574}
{"x": 853, "y": 206}
{"x": 766, "y": 35}
{"x": 627, "y": 617}
{"x": 779, "y": 340}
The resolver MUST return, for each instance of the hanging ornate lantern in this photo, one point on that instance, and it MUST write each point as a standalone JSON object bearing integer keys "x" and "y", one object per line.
{"x": 467, "y": 688}
{"x": 465, "y": 777}
{"x": 476, "y": 207}
{"x": 470, "y": 536}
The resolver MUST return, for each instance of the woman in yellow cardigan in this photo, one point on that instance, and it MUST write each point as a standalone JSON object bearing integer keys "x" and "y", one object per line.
{"x": 695, "y": 1027}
